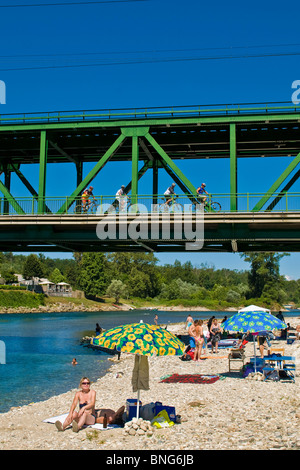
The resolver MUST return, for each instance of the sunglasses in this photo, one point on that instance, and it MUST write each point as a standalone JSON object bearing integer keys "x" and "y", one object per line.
{"x": 85, "y": 383}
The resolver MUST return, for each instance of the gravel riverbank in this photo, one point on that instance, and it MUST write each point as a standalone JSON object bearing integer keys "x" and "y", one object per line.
{"x": 232, "y": 413}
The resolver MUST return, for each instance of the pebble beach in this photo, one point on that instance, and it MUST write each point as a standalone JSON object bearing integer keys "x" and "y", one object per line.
{"x": 233, "y": 413}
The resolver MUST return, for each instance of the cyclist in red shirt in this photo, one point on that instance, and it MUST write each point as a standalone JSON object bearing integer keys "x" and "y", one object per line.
{"x": 85, "y": 198}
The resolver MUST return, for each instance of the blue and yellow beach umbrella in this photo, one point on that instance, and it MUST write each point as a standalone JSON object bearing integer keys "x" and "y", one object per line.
{"x": 142, "y": 339}
{"x": 254, "y": 322}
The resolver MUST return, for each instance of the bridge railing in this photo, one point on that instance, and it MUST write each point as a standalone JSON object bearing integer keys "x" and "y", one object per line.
{"x": 221, "y": 202}
{"x": 150, "y": 112}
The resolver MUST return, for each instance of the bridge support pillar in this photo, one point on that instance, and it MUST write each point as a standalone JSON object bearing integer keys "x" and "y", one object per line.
{"x": 134, "y": 169}
{"x": 42, "y": 174}
{"x": 233, "y": 168}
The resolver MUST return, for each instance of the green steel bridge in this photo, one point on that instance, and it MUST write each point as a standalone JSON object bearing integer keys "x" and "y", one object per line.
{"x": 153, "y": 140}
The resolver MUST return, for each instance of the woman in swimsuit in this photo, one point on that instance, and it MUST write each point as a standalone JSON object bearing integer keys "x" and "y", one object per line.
{"x": 215, "y": 335}
{"x": 199, "y": 339}
{"x": 86, "y": 398}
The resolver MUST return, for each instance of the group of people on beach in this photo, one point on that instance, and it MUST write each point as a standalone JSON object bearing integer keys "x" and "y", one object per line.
{"x": 87, "y": 414}
{"x": 200, "y": 334}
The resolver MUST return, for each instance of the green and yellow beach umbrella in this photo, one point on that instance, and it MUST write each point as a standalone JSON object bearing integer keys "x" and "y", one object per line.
{"x": 142, "y": 339}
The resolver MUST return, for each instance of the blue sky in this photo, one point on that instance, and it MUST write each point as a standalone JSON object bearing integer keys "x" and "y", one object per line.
{"x": 113, "y": 34}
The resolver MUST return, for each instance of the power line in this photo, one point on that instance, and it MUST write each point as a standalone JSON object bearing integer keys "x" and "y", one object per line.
{"x": 153, "y": 51}
{"x": 69, "y": 3}
{"x": 151, "y": 61}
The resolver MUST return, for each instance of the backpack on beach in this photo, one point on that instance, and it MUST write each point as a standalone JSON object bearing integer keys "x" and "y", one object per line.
{"x": 186, "y": 357}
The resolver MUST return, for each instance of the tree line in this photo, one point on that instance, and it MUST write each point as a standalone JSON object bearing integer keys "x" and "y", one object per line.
{"x": 139, "y": 276}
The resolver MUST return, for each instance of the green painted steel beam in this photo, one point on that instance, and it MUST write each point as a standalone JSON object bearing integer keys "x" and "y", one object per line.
{"x": 233, "y": 168}
{"x": 42, "y": 172}
{"x": 134, "y": 169}
{"x": 177, "y": 181}
{"x": 141, "y": 172}
{"x": 171, "y": 164}
{"x": 28, "y": 185}
{"x": 277, "y": 183}
{"x": 238, "y": 119}
{"x": 135, "y": 131}
{"x": 284, "y": 191}
{"x": 11, "y": 200}
{"x": 87, "y": 180}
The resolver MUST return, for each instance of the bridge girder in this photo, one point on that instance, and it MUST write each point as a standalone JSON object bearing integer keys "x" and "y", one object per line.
{"x": 159, "y": 140}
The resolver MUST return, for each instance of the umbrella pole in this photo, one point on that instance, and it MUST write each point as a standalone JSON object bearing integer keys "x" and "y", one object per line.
{"x": 138, "y": 404}
{"x": 254, "y": 353}
{"x": 138, "y": 395}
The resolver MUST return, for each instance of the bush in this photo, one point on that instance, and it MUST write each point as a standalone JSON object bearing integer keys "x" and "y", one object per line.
{"x": 20, "y": 298}
{"x": 233, "y": 297}
{"x": 9, "y": 287}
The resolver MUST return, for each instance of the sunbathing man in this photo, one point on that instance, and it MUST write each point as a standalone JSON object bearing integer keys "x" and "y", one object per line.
{"x": 113, "y": 417}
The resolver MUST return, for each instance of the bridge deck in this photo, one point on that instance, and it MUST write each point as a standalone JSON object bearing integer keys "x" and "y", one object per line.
{"x": 222, "y": 232}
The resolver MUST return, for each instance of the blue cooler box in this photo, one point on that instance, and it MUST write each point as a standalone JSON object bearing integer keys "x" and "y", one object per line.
{"x": 131, "y": 408}
{"x": 169, "y": 409}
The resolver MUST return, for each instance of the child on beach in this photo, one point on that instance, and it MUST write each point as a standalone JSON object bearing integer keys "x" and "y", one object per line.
{"x": 86, "y": 399}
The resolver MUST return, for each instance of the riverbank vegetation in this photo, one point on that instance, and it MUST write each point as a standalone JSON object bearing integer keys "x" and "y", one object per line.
{"x": 137, "y": 278}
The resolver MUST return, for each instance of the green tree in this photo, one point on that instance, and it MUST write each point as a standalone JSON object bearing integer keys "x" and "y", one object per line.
{"x": 116, "y": 289}
{"x": 92, "y": 274}
{"x": 139, "y": 284}
{"x": 264, "y": 270}
{"x": 32, "y": 267}
{"x": 56, "y": 276}
{"x": 9, "y": 276}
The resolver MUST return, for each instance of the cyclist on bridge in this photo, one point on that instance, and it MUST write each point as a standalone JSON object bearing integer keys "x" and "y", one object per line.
{"x": 86, "y": 198}
{"x": 201, "y": 191}
{"x": 169, "y": 193}
{"x": 121, "y": 198}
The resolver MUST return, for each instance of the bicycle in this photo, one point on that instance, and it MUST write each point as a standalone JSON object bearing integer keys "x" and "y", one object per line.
{"x": 89, "y": 208}
{"x": 173, "y": 205}
{"x": 115, "y": 206}
{"x": 210, "y": 206}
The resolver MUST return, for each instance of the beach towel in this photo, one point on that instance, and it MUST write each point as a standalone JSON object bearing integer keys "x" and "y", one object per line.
{"x": 62, "y": 418}
{"x": 191, "y": 378}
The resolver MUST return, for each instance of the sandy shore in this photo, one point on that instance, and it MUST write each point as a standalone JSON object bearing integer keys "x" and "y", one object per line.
{"x": 232, "y": 413}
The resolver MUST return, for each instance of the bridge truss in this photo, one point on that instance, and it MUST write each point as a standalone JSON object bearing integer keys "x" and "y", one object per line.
{"x": 153, "y": 140}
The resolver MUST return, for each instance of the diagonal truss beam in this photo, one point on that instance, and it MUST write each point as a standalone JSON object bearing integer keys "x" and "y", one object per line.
{"x": 11, "y": 200}
{"x": 28, "y": 185}
{"x": 141, "y": 172}
{"x": 277, "y": 183}
{"x": 283, "y": 191}
{"x": 171, "y": 165}
{"x": 86, "y": 181}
